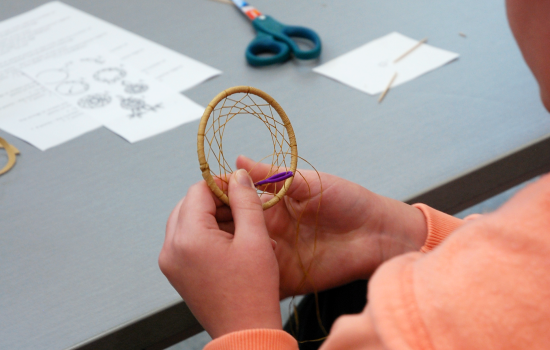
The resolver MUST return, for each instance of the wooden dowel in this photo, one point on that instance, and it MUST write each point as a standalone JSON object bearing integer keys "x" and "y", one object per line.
{"x": 229, "y": 2}
{"x": 417, "y": 45}
{"x": 387, "y": 88}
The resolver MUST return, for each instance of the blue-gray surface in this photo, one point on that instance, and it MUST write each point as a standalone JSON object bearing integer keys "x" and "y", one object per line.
{"x": 81, "y": 224}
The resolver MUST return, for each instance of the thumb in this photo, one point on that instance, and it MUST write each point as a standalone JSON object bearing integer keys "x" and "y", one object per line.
{"x": 246, "y": 206}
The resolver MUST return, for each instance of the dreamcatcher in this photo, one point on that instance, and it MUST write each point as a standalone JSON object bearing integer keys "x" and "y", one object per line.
{"x": 247, "y": 102}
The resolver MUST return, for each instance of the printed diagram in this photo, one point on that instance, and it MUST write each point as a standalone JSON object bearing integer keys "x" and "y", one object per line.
{"x": 135, "y": 88}
{"x": 106, "y": 89}
{"x": 137, "y": 106}
{"x": 70, "y": 88}
{"x": 94, "y": 101}
{"x": 110, "y": 75}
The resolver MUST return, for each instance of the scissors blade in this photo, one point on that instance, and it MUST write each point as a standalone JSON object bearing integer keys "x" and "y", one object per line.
{"x": 249, "y": 11}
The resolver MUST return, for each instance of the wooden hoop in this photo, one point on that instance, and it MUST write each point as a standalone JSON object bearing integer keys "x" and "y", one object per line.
{"x": 11, "y": 151}
{"x": 205, "y": 168}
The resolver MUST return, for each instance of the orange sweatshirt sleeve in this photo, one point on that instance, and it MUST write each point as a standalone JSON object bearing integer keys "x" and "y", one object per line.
{"x": 486, "y": 286}
{"x": 254, "y": 339}
{"x": 439, "y": 225}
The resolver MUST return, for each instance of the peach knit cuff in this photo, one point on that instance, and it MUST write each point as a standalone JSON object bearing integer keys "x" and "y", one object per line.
{"x": 439, "y": 224}
{"x": 254, "y": 339}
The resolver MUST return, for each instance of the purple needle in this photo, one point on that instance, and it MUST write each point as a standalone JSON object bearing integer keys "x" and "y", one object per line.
{"x": 275, "y": 178}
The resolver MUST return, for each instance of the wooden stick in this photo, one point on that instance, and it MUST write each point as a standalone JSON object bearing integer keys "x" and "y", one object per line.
{"x": 417, "y": 45}
{"x": 225, "y": 2}
{"x": 387, "y": 88}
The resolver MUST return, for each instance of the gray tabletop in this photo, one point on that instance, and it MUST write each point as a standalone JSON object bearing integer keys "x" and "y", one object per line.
{"x": 81, "y": 225}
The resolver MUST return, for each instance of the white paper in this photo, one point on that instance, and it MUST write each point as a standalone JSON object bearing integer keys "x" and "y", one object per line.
{"x": 371, "y": 67}
{"x": 54, "y": 30}
{"x": 115, "y": 94}
{"x": 34, "y": 114}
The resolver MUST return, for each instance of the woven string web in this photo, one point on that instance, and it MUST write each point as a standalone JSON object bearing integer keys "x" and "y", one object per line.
{"x": 244, "y": 105}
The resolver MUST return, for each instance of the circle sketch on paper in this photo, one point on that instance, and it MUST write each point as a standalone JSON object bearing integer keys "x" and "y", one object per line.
{"x": 110, "y": 75}
{"x": 94, "y": 101}
{"x": 97, "y": 59}
{"x": 72, "y": 87}
{"x": 135, "y": 88}
{"x": 52, "y": 76}
{"x": 137, "y": 106}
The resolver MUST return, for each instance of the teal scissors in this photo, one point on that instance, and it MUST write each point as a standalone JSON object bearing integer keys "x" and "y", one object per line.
{"x": 276, "y": 38}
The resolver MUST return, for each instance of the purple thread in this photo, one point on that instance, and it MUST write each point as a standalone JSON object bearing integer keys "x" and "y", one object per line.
{"x": 275, "y": 178}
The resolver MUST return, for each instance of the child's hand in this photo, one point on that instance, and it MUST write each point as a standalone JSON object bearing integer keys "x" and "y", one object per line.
{"x": 230, "y": 282}
{"x": 355, "y": 231}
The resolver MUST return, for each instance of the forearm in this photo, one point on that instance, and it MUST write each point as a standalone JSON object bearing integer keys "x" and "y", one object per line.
{"x": 404, "y": 228}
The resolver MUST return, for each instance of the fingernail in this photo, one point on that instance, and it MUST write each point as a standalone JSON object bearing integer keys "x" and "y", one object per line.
{"x": 274, "y": 243}
{"x": 243, "y": 178}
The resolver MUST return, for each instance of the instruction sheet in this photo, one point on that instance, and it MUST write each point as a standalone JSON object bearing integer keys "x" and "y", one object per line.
{"x": 36, "y": 113}
{"x": 115, "y": 94}
{"x": 371, "y": 67}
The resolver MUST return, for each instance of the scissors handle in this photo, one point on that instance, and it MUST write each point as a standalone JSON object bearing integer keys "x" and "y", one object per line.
{"x": 273, "y": 34}
{"x": 264, "y": 43}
